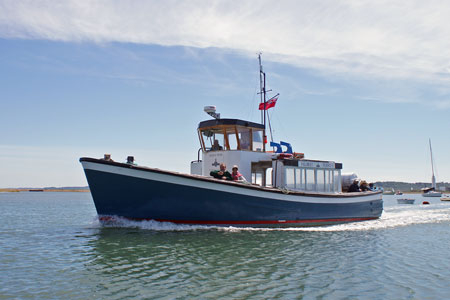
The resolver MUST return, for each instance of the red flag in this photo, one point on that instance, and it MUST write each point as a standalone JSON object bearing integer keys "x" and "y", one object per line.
{"x": 268, "y": 104}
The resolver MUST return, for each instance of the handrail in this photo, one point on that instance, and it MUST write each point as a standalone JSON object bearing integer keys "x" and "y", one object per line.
{"x": 198, "y": 154}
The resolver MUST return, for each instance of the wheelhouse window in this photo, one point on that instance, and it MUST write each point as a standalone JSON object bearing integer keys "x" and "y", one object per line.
{"x": 245, "y": 139}
{"x": 213, "y": 140}
{"x": 257, "y": 141}
{"x": 226, "y": 136}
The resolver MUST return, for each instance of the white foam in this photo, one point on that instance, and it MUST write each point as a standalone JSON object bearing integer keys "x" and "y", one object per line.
{"x": 392, "y": 217}
{"x": 153, "y": 225}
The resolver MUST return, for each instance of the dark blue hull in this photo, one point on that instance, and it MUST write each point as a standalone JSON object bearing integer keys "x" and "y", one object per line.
{"x": 195, "y": 202}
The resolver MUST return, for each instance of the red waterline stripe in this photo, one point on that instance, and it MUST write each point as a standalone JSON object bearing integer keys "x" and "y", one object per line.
{"x": 199, "y": 222}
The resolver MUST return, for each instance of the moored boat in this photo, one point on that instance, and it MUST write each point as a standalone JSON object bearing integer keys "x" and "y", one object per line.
{"x": 405, "y": 201}
{"x": 389, "y": 192}
{"x": 445, "y": 198}
{"x": 284, "y": 188}
{"x": 431, "y": 191}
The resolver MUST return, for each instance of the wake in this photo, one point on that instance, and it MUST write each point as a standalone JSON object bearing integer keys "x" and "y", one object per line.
{"x": 392, "y": 217}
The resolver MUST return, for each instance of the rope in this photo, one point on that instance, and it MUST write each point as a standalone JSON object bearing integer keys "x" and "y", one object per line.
{"x": 284, "y": 190}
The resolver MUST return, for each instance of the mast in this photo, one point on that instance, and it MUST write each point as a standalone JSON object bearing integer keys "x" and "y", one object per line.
{"x": 262, "y": 84}
{"x": 433, "y": 179}
{"x": 265, "y": 111}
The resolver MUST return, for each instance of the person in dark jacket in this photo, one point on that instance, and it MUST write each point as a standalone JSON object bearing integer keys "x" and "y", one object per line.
{"x": 354, "y": 187}
{"x": 222, "y": 173}
{"x": 216, "y": 146}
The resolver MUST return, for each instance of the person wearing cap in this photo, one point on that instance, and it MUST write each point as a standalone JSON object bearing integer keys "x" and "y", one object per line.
{"x": 222, "y": 173}
{"x": 236, "y": 175}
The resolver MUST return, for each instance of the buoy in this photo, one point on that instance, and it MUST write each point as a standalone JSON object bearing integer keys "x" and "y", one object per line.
{"x": 425, "y": 202}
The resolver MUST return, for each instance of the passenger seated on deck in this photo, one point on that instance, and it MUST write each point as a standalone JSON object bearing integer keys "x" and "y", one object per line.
{"x": 216, "y": 146}
{"x": 222, "y": 173}
{"x": 236, "y": 175}
{"x": 107, "y": 157}
{"x": 354, "y": 187}
{"x": 371, "y": 186}
{"x": 363, "y": 186}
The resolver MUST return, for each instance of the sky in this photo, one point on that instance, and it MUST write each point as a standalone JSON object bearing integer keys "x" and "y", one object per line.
{"x": 364, "y": 83}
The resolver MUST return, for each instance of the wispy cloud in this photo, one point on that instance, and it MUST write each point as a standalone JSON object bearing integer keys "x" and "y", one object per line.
{"x": 389, "y": 100}
{"x": 442, "y": 104}
{"x": 389, "y": 39}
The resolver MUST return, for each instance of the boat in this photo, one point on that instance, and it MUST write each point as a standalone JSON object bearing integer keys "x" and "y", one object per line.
{"x": 445, "y": 198}
{"x": 431, "y": 191}
{"x": 378, "y": 189}
{"x": 405, "y": 201}
{"x": 283, "y": 188}
{"x": 389, "y": 192}
{"x": 399, "y": 193}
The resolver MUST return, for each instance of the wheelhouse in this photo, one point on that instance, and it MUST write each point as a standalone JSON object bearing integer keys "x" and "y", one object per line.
{"x": 239, "y": 142}
{"x": 230, "y": 134}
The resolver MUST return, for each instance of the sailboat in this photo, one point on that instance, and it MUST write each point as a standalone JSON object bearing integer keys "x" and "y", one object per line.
{"x": 431, "y": 192}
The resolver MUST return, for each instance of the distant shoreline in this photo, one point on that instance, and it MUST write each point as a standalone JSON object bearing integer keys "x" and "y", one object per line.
{"x": 15, "y": 190}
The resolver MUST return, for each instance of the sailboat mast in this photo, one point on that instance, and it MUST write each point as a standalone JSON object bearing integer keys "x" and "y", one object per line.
{"x": 433, "y": 179}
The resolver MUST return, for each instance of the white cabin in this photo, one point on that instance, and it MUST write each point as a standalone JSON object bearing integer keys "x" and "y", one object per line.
{"x": 238, "y": 142}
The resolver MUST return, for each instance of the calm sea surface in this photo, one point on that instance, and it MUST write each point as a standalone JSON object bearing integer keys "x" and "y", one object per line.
{"x": 52, "y": 247}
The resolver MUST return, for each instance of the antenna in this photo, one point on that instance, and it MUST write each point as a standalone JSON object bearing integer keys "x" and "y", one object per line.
{"x": 211, "y": 110}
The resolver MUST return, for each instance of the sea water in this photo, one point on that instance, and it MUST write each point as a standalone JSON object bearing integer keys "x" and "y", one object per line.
{"x": 52, "y": 247}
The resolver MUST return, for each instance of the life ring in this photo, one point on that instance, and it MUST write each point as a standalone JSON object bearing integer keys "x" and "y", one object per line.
{"x": 299, "y": 155}
{"x": 285, "y": 155}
